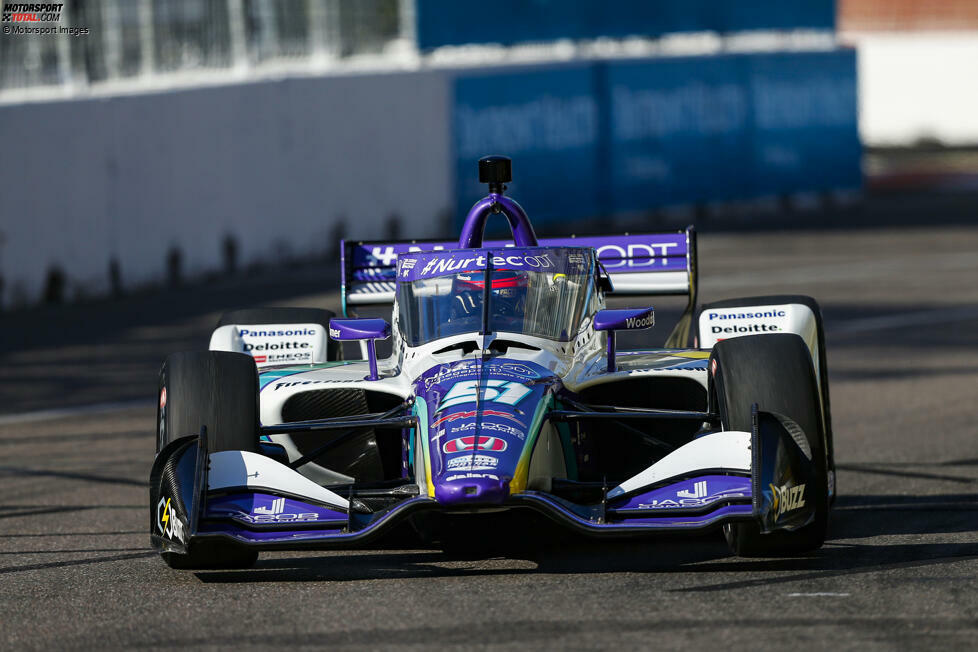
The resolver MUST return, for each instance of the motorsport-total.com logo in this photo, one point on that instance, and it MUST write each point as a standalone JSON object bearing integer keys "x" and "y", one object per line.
{"x": 36, "y": 18}
{"x": 32, "y": 12}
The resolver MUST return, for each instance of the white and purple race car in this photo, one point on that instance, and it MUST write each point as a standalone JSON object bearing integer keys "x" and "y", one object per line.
{"x": 503, "y": 396}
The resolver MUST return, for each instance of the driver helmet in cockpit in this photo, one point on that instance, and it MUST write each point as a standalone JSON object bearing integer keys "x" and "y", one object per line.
{"x": 509, "y": 288}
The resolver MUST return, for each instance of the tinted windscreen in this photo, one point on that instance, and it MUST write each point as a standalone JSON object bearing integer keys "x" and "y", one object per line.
{"x": 549, "y": 303}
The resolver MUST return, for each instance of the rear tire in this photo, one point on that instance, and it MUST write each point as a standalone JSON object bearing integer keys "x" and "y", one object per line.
{"x": 776, "y": 372}
{"x": 255, "y": 316}
{"x": 217, "y": 390}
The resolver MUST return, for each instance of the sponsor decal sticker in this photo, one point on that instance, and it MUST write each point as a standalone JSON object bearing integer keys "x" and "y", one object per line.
{"x": 698, "y": 496}
{"x": 294, "y": 383}
{"x": 470, "y": 414}
{"x": 635, "y": 255}
{"x": 472, "y": 463}
{"x": 277, "y": 350}
{"x": 277, "y": 346}
{"x": 787, "y": 498}
{"x": 699, "y": 490}
{"x": 645, "y": 322}
{"x": 747, "y": 315}
{"x": 407, "y": 265}
{"x": 463, "y": 444}
{"x": 493, "y": 390}
{"x": 490, "y": 426}
{"x": 752, "y": 328}
{"x": 385, "y": 257}
{"x": 472, "y": 476}
{"x": 167, "y": 522}
{"x": 244, "y": 332}
{"x": 276, "y": 511}
{"x": 446, "y": 264}
{"x": 516, "y": 369}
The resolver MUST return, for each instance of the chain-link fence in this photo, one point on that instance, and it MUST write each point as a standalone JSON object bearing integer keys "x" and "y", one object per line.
{"x": 129, "y": 39}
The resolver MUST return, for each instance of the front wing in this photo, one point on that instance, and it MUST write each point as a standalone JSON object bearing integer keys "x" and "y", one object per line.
{"x": 255, "y": 501}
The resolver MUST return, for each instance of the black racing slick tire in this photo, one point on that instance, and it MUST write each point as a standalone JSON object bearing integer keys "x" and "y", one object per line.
{"x": 776, "y": 372}
{"x": 823, "y": 366}
{"x": 216, "y": 390}
{"x": 255, "y": 316}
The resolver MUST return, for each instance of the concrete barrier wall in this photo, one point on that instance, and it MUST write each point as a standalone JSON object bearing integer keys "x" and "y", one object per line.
{"x": 281, "y": 165}
{"x": 276, "y": 164}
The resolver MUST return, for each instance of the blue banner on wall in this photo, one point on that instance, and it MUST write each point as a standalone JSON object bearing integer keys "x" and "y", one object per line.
{"x": 461, "y": 22}
{"x": 806, "y": 136}
{"x": 612, "y": 137}
{"x": 547, "y": 121}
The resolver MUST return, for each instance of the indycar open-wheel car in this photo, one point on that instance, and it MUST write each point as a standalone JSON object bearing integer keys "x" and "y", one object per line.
{"x": 504, "y": 393}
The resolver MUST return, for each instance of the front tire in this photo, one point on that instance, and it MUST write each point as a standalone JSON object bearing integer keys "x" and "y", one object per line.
{"x": 775, "y": 371}
{"x": 217, "y": 390}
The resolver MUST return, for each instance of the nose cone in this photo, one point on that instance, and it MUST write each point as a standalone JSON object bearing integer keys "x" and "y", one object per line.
{"x": 479, "y": 417}
{"x": 473, "y": 491}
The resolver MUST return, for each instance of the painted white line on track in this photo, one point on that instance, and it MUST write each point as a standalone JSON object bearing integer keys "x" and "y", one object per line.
{"x": 818, "y": 595}
{"x": 81, "y": 410}
{"x": 904, "y": 319}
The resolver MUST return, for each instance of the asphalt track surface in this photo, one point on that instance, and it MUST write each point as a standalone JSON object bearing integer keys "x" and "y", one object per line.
{"x": 900, "y": 569}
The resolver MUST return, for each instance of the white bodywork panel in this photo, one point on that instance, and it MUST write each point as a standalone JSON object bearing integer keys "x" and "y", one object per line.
{"x": 650, "y": 282}
{"x": 273, "y": 344}
{"x": 230, "y": 469}
{"x": 724, "y": 451}
{"x": 718, "y": 324}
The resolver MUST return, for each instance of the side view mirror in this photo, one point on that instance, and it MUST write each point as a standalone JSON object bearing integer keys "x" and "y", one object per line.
{"x": 353, "y": 330}
{"x": 627, "y": 319}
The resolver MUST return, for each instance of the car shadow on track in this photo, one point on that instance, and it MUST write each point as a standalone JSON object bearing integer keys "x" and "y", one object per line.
{"x": 855, "y": 519}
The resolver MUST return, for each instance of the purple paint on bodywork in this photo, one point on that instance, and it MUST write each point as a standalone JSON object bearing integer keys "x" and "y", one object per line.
{"x": 539, "y": 501}
{"x": 270, "y": 536}
{"x": 624, "y": 319}
{"x": 262, "y": 508}
{"x": 552, "y": 260}
{"x": 475, "y": 222}
{"x": 638, "y": 252}
{"x": 362, "y": 329}
{"x": 650, "y": 522}
{"x": 699, "y": 520}
{"x": 343, "y": 330}
{"x": 479, "y": 415}
{"x": 691, "y": 493}
{"x": 620, "y": 254}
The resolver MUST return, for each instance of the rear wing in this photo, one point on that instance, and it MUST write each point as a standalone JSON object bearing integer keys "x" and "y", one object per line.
{"x": 645, "y": 264}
